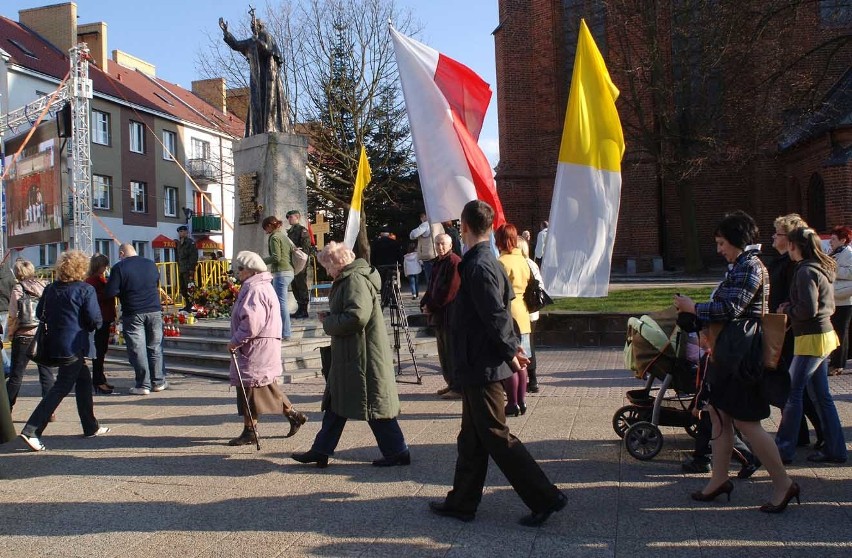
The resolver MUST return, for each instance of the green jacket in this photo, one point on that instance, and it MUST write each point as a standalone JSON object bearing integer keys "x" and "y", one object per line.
{"x": 361, "y": 382}
{"x": 279, "y": 253}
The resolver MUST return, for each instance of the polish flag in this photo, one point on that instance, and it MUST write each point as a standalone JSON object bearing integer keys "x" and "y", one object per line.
{"x": 446, "y": 103}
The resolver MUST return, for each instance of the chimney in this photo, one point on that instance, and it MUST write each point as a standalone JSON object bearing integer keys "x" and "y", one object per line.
{"x": 132, "y": 63}
{"x": 56, "y": 23}
{"x": 212, "y": 91}
{"x": 95, "y": 36}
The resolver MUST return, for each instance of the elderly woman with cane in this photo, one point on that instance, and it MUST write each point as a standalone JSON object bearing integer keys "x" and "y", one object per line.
{"x": 256, "y": 347}
{"x": 361, "y": 382}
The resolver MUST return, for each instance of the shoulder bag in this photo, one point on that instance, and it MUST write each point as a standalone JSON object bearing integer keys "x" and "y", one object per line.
{"x": 297, "y": 257}
{"x": 535, "y": 297}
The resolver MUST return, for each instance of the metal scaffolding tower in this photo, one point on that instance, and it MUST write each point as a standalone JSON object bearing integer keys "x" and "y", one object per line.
{"x": 77, "y": 91}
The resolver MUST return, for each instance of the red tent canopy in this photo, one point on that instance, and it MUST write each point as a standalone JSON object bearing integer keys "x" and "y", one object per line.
{"x": 204, "y": 243}
{"x": 162, "y": 241}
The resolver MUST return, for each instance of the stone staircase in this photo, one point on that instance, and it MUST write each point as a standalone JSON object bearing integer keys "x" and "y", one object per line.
{"x": 202, "y": 348}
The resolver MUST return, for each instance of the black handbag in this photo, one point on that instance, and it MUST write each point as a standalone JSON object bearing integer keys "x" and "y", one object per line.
{"x": 535, "y": 297}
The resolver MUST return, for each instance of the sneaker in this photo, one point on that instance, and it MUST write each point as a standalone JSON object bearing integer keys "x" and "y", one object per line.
{"x": 99, "y": 432}
{"x": 160, "y": 387}
{"x": 34, "y": 443}
{"x": 139, "y": 391}
{"x": 451, "y": 395}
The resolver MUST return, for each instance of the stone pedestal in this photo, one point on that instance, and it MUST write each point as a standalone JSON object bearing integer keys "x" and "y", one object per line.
{"x": 269, "y": 172}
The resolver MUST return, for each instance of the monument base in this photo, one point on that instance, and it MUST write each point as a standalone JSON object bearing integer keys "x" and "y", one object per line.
{"x": 269, "y": 172}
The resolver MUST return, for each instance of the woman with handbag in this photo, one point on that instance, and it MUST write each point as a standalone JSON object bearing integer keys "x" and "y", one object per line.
{"x": 809, "y": 310}
{"x": 732, "y": 380}
{"x": 515, "y": 264}
{"x": 69, "y": 312}
{"x": 281, "y": 267}
{"x": 361, "y": 384}
{"x": 842, "y": 254}
{"x": 256, "y": 346}
{"x": 21, "y": 326}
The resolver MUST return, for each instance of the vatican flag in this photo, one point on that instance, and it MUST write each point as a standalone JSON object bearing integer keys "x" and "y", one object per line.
{"x": 353, "y": 221}
{"x": 587, "y": 193}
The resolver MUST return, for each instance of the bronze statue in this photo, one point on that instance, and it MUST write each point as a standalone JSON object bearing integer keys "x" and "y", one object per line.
{"x": 267, "y": 107}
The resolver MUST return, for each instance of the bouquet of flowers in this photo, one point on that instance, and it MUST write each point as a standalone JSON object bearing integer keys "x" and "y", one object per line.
{"x": 214, "y": 301}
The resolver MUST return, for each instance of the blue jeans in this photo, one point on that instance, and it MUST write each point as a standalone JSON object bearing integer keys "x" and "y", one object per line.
{"x": 144, "y": 336}
{"x": 412, "y": 282}
{"x": 280, "y": 282}
{"x": 811, "y": 373}
{"x": 78, "y": 377}
{"x": 387, "y": 432}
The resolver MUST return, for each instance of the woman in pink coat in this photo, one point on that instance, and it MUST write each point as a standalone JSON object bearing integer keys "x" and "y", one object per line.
{"x": 256, "y": 341}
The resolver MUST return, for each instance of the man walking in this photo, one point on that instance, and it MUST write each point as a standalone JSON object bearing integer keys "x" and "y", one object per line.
{"x": 136, "y": 282}
{"x": 302, "y": 239}
{"x": 440, "y": 293}
{"x": 187, "y": 257}
{"x": 425, "y": 235}
{"x": 487, "y": 350}
{"x": 540, "y": 241}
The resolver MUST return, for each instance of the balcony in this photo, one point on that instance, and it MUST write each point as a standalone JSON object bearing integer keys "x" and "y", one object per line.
{"x": 203, "y": 171}
{"x": 206, "y": 223}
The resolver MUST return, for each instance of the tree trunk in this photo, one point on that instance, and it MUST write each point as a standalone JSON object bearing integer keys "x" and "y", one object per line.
{"x": 689, "y": 225}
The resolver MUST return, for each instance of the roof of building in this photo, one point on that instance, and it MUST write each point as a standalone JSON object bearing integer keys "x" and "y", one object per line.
{"x": 834, "y": 112}
{"x": 30, "y": 50}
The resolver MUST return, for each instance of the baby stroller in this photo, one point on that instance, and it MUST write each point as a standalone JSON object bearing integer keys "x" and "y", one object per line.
{"x": 656, "y": 350}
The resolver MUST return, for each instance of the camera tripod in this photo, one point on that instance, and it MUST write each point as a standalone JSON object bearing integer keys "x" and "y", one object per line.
{"x": 392, "y": 299}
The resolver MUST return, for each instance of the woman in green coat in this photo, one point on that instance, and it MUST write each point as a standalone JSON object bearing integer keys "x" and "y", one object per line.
{"x": 361, "y": 384}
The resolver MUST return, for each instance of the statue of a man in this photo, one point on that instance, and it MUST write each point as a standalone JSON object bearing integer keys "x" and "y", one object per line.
{"x": 267, "y": 109}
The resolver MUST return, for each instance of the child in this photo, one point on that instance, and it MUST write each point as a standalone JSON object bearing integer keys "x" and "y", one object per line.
{"x": 412, "y": 268}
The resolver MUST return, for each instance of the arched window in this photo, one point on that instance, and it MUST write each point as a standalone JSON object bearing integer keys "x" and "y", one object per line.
{"x": 816, "y": 203}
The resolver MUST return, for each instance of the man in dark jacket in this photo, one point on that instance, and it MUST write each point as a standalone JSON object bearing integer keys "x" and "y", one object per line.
{"x": 385, "y": 257}
{"x": 136, "y": 282}
{"x": 441, "y": 291}
{"x": 187, "y": 257}
{"x": 302, "y": 239}
{"x": 487, "y": 350}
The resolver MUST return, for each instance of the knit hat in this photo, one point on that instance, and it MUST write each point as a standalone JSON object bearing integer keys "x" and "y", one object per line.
{"x": 250, "y": 261}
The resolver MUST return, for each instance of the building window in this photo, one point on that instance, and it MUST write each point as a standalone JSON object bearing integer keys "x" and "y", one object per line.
{"x": 170, "y": 201}
{"x": 169, "y": 145}
{"x": 138, "y": 197}
{"x": 201, "y": 204}
{"x": 100, "y": 127}
{"x": 47, "y": 254}
{"x": 141, "y": 248}
{"x": 104, "y": 246}
{"x": 200, "y": 149}
{"x": 137, "y": 137}
{"x": 101, "y": 191}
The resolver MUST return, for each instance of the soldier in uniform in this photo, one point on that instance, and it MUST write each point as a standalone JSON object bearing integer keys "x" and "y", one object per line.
{"x": 187, "y": 257}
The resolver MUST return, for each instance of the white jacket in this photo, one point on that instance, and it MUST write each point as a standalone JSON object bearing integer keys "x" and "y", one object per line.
{"x": 411, "y": 264}
{"x": 843, "y": 280}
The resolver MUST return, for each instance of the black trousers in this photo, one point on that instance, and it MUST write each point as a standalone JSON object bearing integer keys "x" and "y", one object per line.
{"x": 484, "y": 434}
{"x": 444, "y": 340}
{"x": 74, "y": 376}
{"x": 300, "y": 289}
{"x": 101, "y": 347}
{"x": 184, "y": 279}
{"x": 840, "y": 321}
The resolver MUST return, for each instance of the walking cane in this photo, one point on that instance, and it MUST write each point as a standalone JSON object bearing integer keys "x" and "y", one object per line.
{"x": 245, "y": 398}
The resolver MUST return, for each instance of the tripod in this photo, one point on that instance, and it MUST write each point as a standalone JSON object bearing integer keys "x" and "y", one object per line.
{"x": 392, "y": 298}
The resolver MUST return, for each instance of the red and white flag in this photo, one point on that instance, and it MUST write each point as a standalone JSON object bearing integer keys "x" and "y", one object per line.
{"x": 446, "y": 103}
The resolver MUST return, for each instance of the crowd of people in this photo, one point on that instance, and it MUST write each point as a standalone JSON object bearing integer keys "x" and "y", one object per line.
{"x": 474, "y": 300}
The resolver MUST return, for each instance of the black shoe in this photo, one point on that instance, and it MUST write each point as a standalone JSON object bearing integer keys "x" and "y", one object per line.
{"x": 749, "y": 469}
{"x": 513, "y": 410}
{"x": 247, "y": 437}
{"x": 532, "y": 388}
{"x": 402, "y": 458}
{"x": 820, "y": 457}
{"x": 695, "y": 466}
{"x": 523, "y": 408}
{"x": 296, "y": 419}
{"x": 311, "y": 456}
{"x": 819, "y": 444}
{"x": 538, "y": 518}
{"x": 102, "y": 389}
{"x": 442, "y": 509}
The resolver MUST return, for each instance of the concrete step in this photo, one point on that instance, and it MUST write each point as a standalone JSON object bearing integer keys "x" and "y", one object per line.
{"x": 220, "y": 344}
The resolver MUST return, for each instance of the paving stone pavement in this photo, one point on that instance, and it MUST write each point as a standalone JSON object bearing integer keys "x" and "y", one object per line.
{"x": 163, "y": 482}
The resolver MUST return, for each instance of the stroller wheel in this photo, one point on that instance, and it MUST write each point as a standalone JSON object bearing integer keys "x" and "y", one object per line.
{"x": 643, "y": 440}
{"x": 627, "y": 416}
{"x": 692, "y": 429}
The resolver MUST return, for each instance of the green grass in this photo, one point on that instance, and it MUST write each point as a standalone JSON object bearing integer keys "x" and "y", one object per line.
{"x": 634, "y": 301}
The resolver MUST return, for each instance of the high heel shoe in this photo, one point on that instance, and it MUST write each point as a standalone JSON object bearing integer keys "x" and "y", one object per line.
{"x": 792, "y": 492}
{"x": 311, "y": 456}
{"x": 725, "y": 488}
{"x": 102, "y": 389}
{"x": 296, "y": 419}
{"x": 512, "y": 410}
{"x": 523, "y": 408}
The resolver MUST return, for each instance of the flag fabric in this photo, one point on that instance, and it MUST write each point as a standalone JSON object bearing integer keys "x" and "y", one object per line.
{"x": 353, "y": 220}
{"x": 587, "y": 192}
{"x": 446, "y": 103}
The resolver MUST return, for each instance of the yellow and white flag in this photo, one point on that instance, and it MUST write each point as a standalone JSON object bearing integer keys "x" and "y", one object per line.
{"x": 587, "y": 193}
{"x": 353, "y": 221}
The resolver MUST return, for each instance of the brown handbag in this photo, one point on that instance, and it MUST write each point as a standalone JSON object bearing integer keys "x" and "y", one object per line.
{"x": 773, "y": 328}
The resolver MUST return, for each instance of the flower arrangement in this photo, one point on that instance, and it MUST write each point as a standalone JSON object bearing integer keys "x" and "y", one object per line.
{"x": 214, "y": 301}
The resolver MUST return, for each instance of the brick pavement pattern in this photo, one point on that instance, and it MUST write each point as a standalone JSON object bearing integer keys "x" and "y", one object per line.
{"x": 163, "y": 482}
